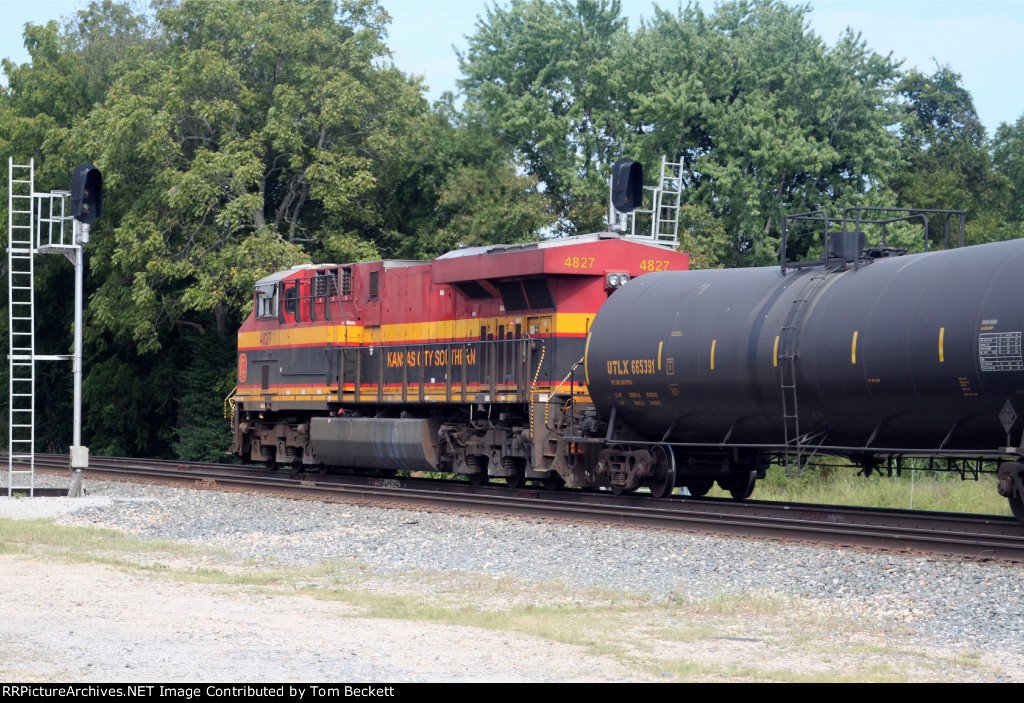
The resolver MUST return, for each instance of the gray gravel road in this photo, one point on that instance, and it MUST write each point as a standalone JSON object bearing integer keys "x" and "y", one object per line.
{"x": 945, "y": 602}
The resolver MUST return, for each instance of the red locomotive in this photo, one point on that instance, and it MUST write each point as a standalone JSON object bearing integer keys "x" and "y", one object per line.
{"x": 461, "y": 364}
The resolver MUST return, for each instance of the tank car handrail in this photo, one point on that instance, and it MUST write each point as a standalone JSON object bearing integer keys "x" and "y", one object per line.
{"x": 962, "y": 215}
{"x": 857, "y": 220}
{"x": 785, "y": 236}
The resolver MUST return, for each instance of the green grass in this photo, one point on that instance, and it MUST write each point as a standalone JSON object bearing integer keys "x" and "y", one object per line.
{"x": 917, "y": 490}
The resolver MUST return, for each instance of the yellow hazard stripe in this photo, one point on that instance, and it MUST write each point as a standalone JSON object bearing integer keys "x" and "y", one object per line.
{"x": 853, "y": 349}
{"x": 337, "y": 332}
{"x": 942, "y": 339}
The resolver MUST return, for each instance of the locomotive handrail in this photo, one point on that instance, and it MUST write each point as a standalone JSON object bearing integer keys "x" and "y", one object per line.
{"x": 294, "y": 287}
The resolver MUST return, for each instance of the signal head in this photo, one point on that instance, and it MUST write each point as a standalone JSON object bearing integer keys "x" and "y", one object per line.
{"x": 627, "y": 185}
{"x": 86, "y": 193}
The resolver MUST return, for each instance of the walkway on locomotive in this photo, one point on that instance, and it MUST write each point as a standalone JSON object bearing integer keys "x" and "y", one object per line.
{"x": 488, "y": 324}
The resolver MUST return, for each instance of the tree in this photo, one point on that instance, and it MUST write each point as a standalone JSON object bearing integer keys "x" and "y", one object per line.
{"x": 944, "y": 155}
{"x": 539, "y": 76}
{"x": 1008, "y": 155}
{"x": 766, "y": 119}
{"x": 235, "y": 139}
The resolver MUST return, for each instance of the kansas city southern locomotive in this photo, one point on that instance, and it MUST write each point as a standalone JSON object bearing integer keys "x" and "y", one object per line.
{"x": 465, "y": 364}
{"x": 601, "y": 361}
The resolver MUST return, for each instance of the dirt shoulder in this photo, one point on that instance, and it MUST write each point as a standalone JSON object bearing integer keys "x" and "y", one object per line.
{"x": 90, "y": 622}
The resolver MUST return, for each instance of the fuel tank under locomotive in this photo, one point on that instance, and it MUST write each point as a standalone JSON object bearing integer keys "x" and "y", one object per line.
{"x": 920, "y": 352}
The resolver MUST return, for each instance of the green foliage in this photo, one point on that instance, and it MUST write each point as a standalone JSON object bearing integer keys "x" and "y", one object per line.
{"x": 235, "y": 139}
{"x": 766, "y": 118}
{"x": 945, "y": 161}
{"x": 1009, "y": 162}
{"x": 203, "y": 433}
{"x": 483, "y": 198}
{"x": 451, "y": 185}
{"x": 541, "y": 76}
{"x": 912, "y": 489}
{"x": 130, "y": 399}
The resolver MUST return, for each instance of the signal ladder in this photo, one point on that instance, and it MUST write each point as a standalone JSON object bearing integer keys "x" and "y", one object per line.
{"x": 21, "y": 312}
{"x": 666, "y": 198}
{"x": 24, "y": 217}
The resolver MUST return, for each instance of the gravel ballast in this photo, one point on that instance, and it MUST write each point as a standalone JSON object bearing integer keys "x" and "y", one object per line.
{"x": 945, "y": 603}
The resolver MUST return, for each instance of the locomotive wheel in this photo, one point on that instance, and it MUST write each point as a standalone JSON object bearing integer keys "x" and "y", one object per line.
{"x": 740, "y": 487}
{"x": 479, "y": 462}
{"x": 665, "y": 465}
{"x": 516, "y": 479}
{"x": 700, "y": 488}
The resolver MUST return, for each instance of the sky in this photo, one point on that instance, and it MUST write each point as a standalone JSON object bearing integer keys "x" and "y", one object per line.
{"x": 983, "y": 40}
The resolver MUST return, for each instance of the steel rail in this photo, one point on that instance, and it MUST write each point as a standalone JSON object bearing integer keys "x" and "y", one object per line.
{"x": 951, "y": 534}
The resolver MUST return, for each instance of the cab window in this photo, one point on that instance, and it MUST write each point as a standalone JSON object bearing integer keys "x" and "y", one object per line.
{"x": 266, "y": 301}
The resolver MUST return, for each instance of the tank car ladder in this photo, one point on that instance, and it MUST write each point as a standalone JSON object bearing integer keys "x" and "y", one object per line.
{"x": 21, "y": 319}
{"x": 788, "y": 353}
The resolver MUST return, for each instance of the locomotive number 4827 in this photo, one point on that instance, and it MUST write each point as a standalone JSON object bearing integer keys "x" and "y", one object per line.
{"x": 654, "y": 265}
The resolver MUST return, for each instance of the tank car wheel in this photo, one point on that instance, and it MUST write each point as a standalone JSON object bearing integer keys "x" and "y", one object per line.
{"x": 552, "y": 482}
{"x": 479, "y": 478}
{"x": 516, "y": 480}
{"x": 1017, "y": 508}
{"x": 665, "y": 466}
{"x": 699, "y": 489}
{"x": 1010, "y": 475}
{"x": 741, "y": 486}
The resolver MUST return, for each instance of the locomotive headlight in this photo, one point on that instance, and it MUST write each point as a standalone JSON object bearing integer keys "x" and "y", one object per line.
{"x": 616, "y": 280}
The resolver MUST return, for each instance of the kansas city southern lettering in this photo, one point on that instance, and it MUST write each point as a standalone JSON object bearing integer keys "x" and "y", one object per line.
{"x": 431, "y": 357}
{"x": 630, "y": 367}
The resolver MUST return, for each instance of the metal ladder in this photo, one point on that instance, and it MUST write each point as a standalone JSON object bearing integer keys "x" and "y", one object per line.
{"x": 666, "y": 198}
{"x": 795, "y": 442}
{"x": 21, "y": 317}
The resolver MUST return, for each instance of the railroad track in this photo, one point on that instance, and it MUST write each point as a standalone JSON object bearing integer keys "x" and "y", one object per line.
{"x": 950, "y": 534}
